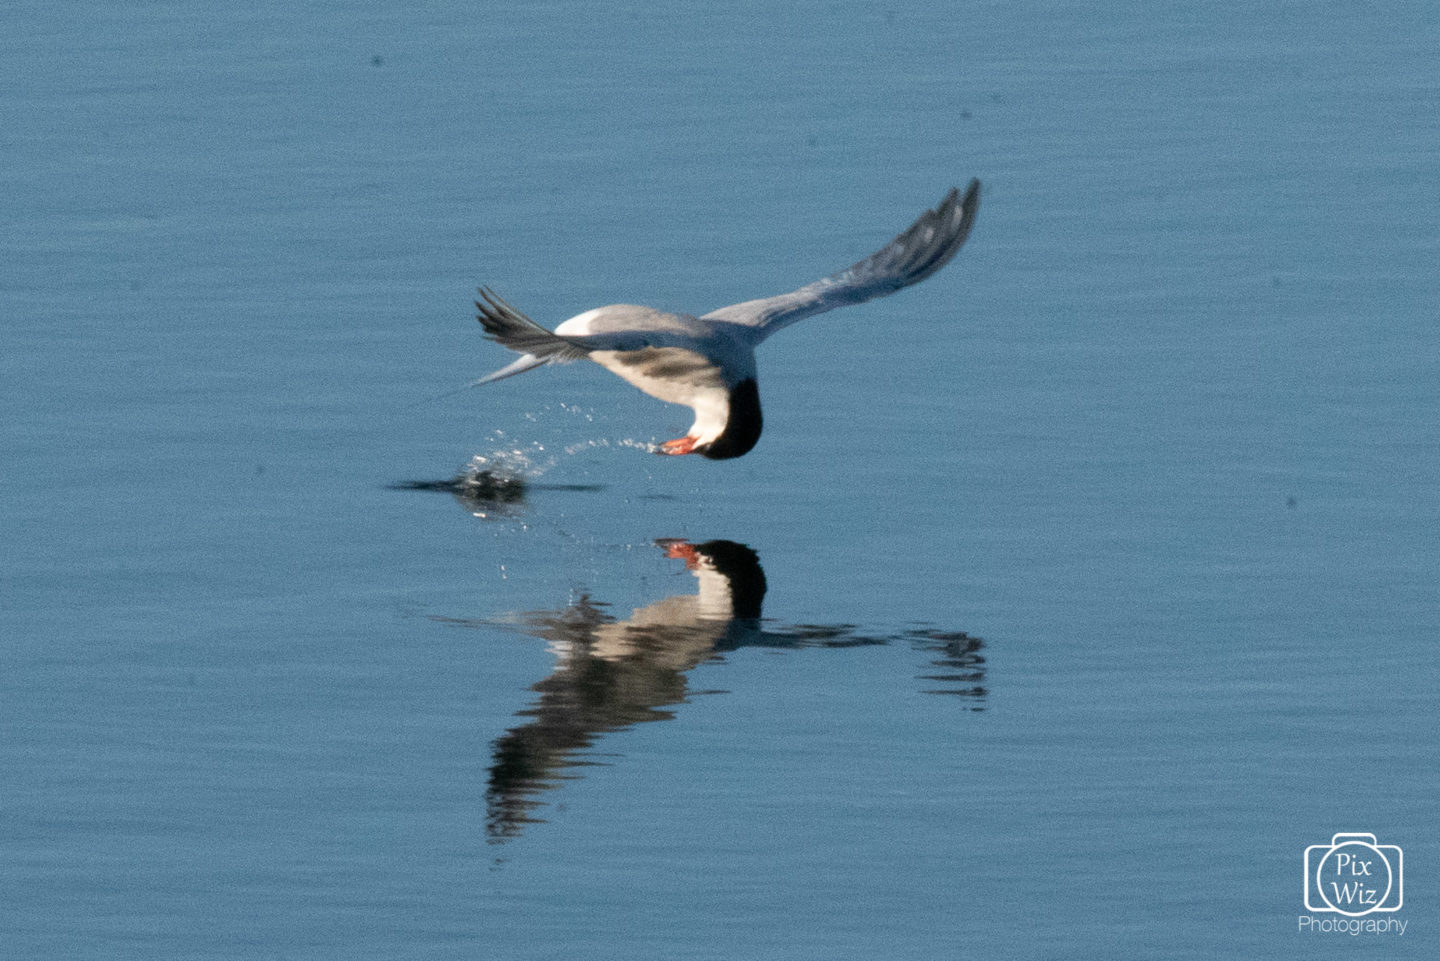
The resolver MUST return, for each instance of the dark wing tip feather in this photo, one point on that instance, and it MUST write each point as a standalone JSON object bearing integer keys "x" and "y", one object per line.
{"x": 499, "y": 319}
{"x": 509, "y": 327}
{"x": 928, "y": 244}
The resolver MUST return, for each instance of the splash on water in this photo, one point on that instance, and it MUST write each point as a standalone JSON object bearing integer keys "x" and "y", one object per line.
{"x": 524, "y": 462}
{"x": 494, "y": 484}
{"x": 648, "y": 446}
{"x": 519, "y": 462}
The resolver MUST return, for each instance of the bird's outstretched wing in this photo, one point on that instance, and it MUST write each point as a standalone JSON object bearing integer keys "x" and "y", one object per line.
{"x": 925, "y": 247}
{"x": 538, "y": 346}
{"x": 506, "y": 325}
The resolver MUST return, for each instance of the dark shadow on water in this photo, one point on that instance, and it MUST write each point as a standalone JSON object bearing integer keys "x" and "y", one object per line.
{"x": 613, "y": 674}
{"x": 485, "y": 492}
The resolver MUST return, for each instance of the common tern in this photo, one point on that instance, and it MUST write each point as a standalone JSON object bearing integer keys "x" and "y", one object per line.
{"x": 707, "y": 363}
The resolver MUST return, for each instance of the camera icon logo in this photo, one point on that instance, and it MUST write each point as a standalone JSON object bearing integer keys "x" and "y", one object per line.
{"x": 1354, "y": 876}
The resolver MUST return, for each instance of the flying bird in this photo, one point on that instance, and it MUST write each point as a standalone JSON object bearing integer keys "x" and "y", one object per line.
{"x": 707, "y": 363}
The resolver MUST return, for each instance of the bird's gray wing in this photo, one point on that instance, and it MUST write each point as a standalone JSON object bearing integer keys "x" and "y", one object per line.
{"x": 537, "y": 346}
{"x": 629, "y": 330}
{"x": 923, "y": 248}
{"x": 506, "y": 325}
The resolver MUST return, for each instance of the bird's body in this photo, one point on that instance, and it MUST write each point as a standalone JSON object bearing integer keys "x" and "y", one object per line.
{"x": 707, "y": 363}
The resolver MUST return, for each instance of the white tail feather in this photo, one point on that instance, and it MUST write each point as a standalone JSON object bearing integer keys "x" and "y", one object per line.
{"x": 524, "y": 363}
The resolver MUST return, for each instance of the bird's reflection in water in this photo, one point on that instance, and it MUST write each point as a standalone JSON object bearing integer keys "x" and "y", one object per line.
{"x": 612, "y": 674}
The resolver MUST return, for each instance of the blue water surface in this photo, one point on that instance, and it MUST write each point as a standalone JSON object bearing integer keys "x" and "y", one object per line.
{"x": 1067, "y": 599}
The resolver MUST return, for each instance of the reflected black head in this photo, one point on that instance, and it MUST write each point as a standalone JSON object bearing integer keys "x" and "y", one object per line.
{"x": 742, "y": 430}
{"x": 741, "y": 567}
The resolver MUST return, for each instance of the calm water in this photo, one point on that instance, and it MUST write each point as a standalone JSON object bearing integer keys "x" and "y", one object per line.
{"x": 1067, "y": 599}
